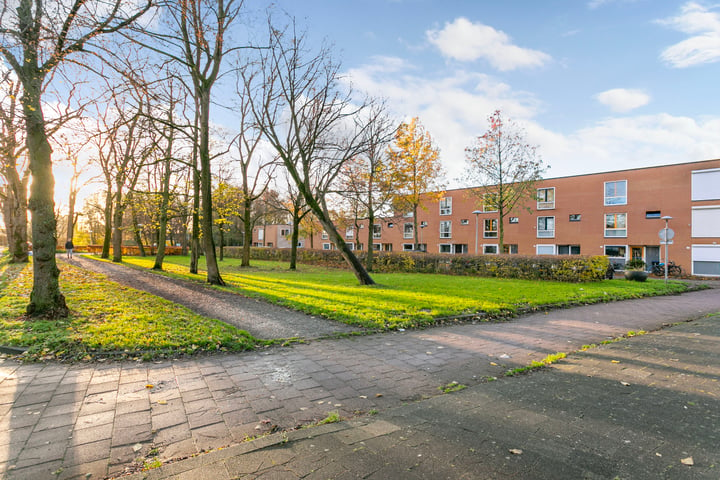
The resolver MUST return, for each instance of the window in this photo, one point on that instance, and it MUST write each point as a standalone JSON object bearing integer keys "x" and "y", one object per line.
{"x": 349, "y": 232}
{"x": 390, "y": 224}
{"x": 616, "y": 251}
{"x": 706, "y": 184}
{"x": 327, "y": 246}
{"x": 568, "y": 249}
{"x": 408, "y": 215}
{"x": 460, "y": 248}
{"x": 575, "y": 217}
{"x": 545, "y": 249}
{"x": 261, "y": 234}
{"x": 616, "y": 225}
{"x": 489, "y": 203}
{"x": 546, "y": 227}
{"x": 446, "y": 206}
{"x": 616, "y": 193}
{"x": 301, "y": 244}
{"x": 514, "y": 220}
{"x": 445, "y": 248}
{"x": 706, "y": 260}
{"x": 511, "y": 249}
{"x": 422, "y": 247}
{"x": 407, "y": 247}
{"x": 376, "y": 247}
{"x": 377, "y": 230}
{"x": 446, "y": 229}
{"x": 423, "y": 224}
{"x": 270, "y": 244}
{"x": 652, "y": 214}
{"x": 464, "y": 221}
{"x": 387, "y": 247}
{"x": 546, "y": 198}
{"x": 350, "y": 245}
{"x": 324, "y": 235}
{"x": 705, "y": 222}
{"x": 490, "y": 249}
{"x": 284, "y": 232}
{"x": 491, "y": 228}
{"x": 408, "y": 230}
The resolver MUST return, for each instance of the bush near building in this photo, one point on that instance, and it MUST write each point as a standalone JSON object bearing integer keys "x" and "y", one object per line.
{"x": 574, "y": 268}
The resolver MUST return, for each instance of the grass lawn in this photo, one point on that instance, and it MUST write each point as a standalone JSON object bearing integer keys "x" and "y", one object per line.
{"x": 402, "y": 300}
{"x": 106, "y": 318}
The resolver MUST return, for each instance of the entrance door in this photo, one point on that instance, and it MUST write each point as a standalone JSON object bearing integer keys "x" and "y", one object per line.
{"x": 652, "y": 256}
{"x": 636, "y": 253}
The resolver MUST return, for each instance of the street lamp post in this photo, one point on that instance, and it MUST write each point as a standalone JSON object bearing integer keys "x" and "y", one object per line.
{"x": 422, "y": 226}
{"x": 476, "y": 213}
{"x": 667, "y": 241}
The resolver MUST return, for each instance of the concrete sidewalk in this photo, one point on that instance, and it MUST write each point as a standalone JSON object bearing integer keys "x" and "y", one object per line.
{"x": 107, "y": 419}
{"x": 643, "y": 408}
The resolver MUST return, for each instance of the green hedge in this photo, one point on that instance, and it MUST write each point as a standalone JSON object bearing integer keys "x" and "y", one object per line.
{"x": 564, "y": 268}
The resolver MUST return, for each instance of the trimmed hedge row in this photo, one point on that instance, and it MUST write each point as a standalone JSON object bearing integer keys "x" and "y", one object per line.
{"x": 564, "y": 268}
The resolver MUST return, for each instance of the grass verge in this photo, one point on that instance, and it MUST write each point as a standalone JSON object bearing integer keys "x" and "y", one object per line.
{"x": 107, "y": 319}
{"x": 402, "y": 300}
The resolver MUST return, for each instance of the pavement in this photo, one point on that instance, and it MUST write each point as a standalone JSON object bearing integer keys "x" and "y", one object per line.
{"x": 632, "y": 409}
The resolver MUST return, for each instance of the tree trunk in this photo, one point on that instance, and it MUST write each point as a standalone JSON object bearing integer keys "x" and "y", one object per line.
{"x": 501, "y": 229}
{"x": 15, "y": 216}
{"x": 222, "y": 243}
{"x": 108, "y": 225}
{"x": 195, "y": 240}
{"x": 45, "y": 298}
{"x": 213, "y": 272}
{"x": 247, "y": 222}
{"x": 162, "y": 228}
{"x": 370, "y": 252}
{"x": 416, "y": 234}
{"x": 117, "y": 226}
{"x": 71, "y": 212}
{"x": 137, "y": 233}
{"x": 295, "y": 236}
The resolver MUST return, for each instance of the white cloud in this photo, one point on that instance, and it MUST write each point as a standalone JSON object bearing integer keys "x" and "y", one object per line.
{"x": 455, "y": 108}
{"x": 704, "y": 44}
{"x": 467, "y": 41}
{"x": 593, "y": 4}
{"x": 623, "y": 99}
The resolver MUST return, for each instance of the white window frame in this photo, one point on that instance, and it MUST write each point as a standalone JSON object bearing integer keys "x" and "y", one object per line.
{"x": 490, "y": 246}
{"x": 705, "y": 184}
{"x": 705, "y": 253}
{"x": 324, "y": 235}
{"x": 447, "y": 245}
{"x": 408, "y": 247}
{"x": 464, "y": 221}
{"x": 445, "y": 206}
{"x": 621, "y": 232}
{"x": 376, "y": 247}
{"x": 513, "y": 219}
{"x": 490, "y": 233}
{"x": 377, "y": 230}
{"x": 705, "y": 222}
{"x": 575, "y": 217}
{"x": 616, "y": 199}
{"x": 411, "y": 233}
{"x": 447, "y": 232}
{"x": 542, "y": 199}
{"x": 570, "y": 247}
{"x": 486, "y": 208}
{"x": 543, "y": 246}
{"x": 615, "y": 245}
{"x": 350, "y": 232}
{"x": 327, "y": 246}
{"x": 545, "y": 232}
{"x": 350, "y": 245}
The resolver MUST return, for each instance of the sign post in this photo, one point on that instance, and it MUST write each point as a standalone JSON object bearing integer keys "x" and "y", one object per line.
{"x": 666, "y": 236}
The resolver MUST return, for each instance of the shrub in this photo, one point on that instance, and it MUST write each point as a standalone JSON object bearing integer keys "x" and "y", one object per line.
{"x": 565, "y": 268}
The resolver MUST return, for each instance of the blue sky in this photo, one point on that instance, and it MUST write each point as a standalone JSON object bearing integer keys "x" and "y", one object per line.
{"x": 598, "y": 84}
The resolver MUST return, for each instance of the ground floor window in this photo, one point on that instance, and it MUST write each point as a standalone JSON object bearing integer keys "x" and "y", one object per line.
{"x": 445, "y": 248}
{"x": 618, "y": 251}
{"x": 545, "y": 249}
{"x": 386, "y": 247}
{"x": 510, "y": 248}
{"x": 350, "y": 245}
{"x": 568, "y": 249}
{"x": 376, "y": 247}
{"x": 490, "y": 249}
{"x": 705, "y": 260}
{"x": 327, "y": 246}
{"x": 407, "y": 247}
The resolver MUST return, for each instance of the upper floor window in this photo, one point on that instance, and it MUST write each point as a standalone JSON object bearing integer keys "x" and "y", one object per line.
{"x": 349, "y": 232}
{"x": 446, "y": 229}
{"x": 653, "y": 214}
{"x": 705, "y": 184}
{"x": 616, "y": 225}
{"x": 616, "y": 192}
{"x": 324, "y": 235}
{"x": 284, "y": 232}
{"x": 546, "y": 198}
{"x": 446, "y": 206}
{"x": 464, "y": 221}
{"x": 491, "y": 228}
{"x": 546, "y": 227}
{"x": 377, "y": 230}
{"x": 489, "y": 203}
{"x": 514, "y": 220}
{"x": 575, "y": 217}
{"x": 408, "y": 230}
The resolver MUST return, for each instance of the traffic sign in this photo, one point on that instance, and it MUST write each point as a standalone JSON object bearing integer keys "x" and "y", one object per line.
{"x": 666, "y": 234}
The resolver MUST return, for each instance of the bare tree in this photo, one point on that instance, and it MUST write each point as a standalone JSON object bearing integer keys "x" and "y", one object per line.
{"x": 506, "y": 167}
{"x": 35, "y": 38}
{"x": 303, "y": 112}
{"x": 13, "y": 170}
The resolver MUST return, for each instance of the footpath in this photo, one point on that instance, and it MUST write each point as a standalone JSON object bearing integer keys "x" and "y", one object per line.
{"x": 631, "y": 409}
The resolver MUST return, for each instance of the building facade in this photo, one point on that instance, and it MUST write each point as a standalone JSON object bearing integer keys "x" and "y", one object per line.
{"x": 619, "y": 214}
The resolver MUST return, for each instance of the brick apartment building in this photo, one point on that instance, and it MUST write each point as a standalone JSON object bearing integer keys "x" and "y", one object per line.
{"x": 618, "y": 214}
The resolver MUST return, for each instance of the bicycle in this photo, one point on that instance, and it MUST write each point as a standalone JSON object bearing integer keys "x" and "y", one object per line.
{"x": 673, "y": 269}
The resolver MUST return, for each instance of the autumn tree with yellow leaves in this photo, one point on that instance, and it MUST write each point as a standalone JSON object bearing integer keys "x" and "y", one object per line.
{"x": 416, "y": 170}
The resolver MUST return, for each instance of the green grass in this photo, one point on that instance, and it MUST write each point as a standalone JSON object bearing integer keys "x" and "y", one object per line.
{"x": 402, "y": 300}
{"x": 106, "y": 318}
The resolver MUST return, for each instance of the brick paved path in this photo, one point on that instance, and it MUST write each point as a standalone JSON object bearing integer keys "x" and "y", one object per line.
{"x": 100, "y": 419}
